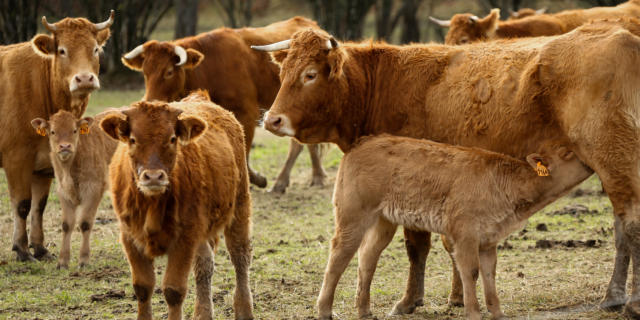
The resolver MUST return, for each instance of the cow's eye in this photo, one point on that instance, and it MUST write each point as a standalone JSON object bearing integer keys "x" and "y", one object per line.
{"x": 62, "y": 52}
{"x": 75, "y": 131}
{"x": 464, "y": 41}
{"x": 169, "y": 73}
{"x": 52, "y": 132}
{"x": 95, "y": 51}
{"x": 173, "y": 140}
{"x": 132, "y": 141}
{"x": 310, "y": 76}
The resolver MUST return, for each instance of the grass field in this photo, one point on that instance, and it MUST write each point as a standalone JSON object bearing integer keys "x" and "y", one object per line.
{"x": 291, "y": 236}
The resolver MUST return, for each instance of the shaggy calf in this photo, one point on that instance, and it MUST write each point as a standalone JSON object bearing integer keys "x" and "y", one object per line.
{"x": 178, "y": 179}
{"x": 80, "y": 154}
{"x": 473, "y": 196}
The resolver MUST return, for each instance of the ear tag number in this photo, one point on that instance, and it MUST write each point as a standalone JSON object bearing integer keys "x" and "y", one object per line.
{"x": 541, "y": 170}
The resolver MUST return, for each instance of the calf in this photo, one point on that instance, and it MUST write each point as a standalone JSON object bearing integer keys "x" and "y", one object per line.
{"x": 80, "y": 154}
{"x": 178, "y": 179}
{"x": 475, "y": 197}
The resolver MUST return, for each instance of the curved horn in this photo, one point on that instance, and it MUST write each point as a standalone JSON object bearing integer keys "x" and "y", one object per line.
{"x": 332, "y": 43}
{"x": 106, "y": 24}
{"x": 285, "y": 44}
{"x": 135, "y": 52}
{"x": 49, "y": 26}
{"x": 182, "y": 54}
{"x": 541, "y": 10}
{"x": 442, "y": 23}
{"x": 514, "y": 14}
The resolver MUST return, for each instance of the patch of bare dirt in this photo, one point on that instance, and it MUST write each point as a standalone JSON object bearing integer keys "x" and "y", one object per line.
{"x": 107, "y": 272}
{"x": 550, "y": 244}
{"x": 110, "y": 294}
{"x": 575, "y": 210}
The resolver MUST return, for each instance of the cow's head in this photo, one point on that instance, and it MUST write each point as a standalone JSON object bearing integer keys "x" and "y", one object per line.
{"x": 163, "y": 65}
{"x": 312, "y": 86}
{"x": 466, "y": 28}
{"x": 74, "y": 46}
{"x": 153, "y": 133}
{"x": 64, "y": 131}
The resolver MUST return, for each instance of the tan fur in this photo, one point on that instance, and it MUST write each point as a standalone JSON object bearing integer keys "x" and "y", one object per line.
{"x": 505, "y": 96}
{"x": 474, "y": 197}
{"x": 240, "y": 79}
{"x": 463, "y": 30}
{"x": 35, "y": 83}
{"x": 207, "y": 193}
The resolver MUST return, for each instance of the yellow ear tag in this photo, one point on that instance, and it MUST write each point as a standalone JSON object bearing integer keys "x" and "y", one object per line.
{"x": 541, "y": 170}
{"x": 41, "y": 131}
{"x": 84, "y": 129}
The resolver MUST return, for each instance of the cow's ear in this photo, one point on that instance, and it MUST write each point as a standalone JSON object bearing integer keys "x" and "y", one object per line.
{"x": 134, "y": 63}
{"x": 336, "y": 58}
{"x": 278, "y": 56}
{"x": 44, "y": 45}
{"x": 103, "y": 36}
{"x": 189, "y": 128}
{"x": 40, "y": 125}
{"x": 490, "y": 23}
{"x": 116, "y": 126}
{"x": 194, "y": 57}
{"x": 539, "y": 164}
{"x": 84, "y": 124}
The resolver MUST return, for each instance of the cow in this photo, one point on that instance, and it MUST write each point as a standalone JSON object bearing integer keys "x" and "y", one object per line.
{"x": 239, "y": 79}
{"x": 473, "y": 196}
{"x": 80, "y": 154}
{"x": 505, "y": 96}
{"x": 465, "y": 28}
{"x": 525, "y": 12}
{"x": 38, "y": 78}
{"x": 178, "y": 179}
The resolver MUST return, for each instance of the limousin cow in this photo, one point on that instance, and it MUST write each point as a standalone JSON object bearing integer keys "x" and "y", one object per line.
{"x": 505, "y": 96}
{"x": 38, "y": 78}
{"x": 465, "y": 28}
{"x": 80, "y": 154}
{"x": 178, "y": 179}
{"x": 239, "y": 79}
{"x": 473, "y": 196}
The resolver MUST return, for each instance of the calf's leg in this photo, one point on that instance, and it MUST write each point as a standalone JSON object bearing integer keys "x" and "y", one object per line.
{"x": 417, "y": 244}
{"x": 87, "y": 219}
{"x": 616, "y": 295}
{"x": 39, "y": 193}
{"x": 316, "y": 164}
{"x": 455, "y": 296}
{"x": 237, "y": 239}
{"x": 18, "y": 166}
{"x": 488, "y": 260}
{"x": 174, "y": 284}
{"x": 282, "y": 182}
{"x": 68, "y": 224}
{"x": 203, "y": 269}
{"x": 467, "y": 259}
{"x": 143, "y": 276}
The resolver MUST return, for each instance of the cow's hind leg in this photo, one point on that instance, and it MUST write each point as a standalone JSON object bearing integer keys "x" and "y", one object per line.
{"x": 249, "y": 121}
{"x": 203, "y": 270}
{"x": 282, "y": 182}
{"x": 39, "y": 193}
{"x": 376, "y": 239}
{"x": 418, "y": 244}
{"x": 143, "y": 277}
{"x": 19, "y": 171}
{"x": 315, "y": 152}
{"x": 237, "y": 239}
{"x": 616, "y": 295}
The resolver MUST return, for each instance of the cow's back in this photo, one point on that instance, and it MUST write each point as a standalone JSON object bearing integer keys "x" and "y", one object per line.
{"x": 575, "y": 18}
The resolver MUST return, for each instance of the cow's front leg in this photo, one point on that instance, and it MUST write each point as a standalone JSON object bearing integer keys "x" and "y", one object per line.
{"x": 282, "y": 182}
{"x": 616, "y": 295}
{"x": 174, "y": 285}
{"x": 418, "y": 244}
{"x": 18, "y": 166}
{"x": 39, "y": 193}
{"x": 203, "y": 270}
{"x": 143, "y": 277}
{"x": 318, "y": 173}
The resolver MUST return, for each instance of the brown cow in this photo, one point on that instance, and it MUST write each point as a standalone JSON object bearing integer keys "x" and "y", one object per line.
{"x": 239, "y": 79}
{"x": 505, "y": 96}
{"x": 38, "y": 78}
{"x": 80, "y": 154}
{"x": 473, "y": 196}
{"x": 178, "y": 179}
{"x": 465, "y": 28}
{"x": 525, "y": 12}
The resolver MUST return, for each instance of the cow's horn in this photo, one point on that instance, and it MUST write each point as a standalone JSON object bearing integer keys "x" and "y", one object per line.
{"x": 332, "y": 43}
{"x": 442, "y": 23}
{"x": 182, "y": 54}
{"x": 49, "y": 26}
{"x": 284, "y": 44}
{"x": 106, "y": 24}
{"x": 514, "y": 14}
{"x": 134, "y": 53}
{"x": 541, "y": 10}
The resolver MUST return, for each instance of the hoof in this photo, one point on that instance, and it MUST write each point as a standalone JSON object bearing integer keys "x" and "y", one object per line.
{"x": 456, "y": 301}
{"x": 405, "y": 308}
{"x": 317, "y": 182}
{"x": 64, "y": 266}
{"x": 613, "y": 304}
{"x": 258, "y": 180}
{"x": 368, "y": 316}
{"x": 632, "y": 310}
{"x": 42, "y": 254}
{"x": 23, "y": 255}
{"x": 278, "y": 188}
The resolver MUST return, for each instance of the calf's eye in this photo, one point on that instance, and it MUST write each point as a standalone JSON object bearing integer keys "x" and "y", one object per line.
{"x": 173, "y": 140}
{"x": 132, "y": 141}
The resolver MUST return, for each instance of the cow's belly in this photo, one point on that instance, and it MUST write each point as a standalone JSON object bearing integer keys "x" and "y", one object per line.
{"x": 42, "y": 160}
{"x": 424, "y": 217}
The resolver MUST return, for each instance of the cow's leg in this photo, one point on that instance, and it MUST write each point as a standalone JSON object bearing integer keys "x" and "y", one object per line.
{"x": 203, "y": 269}
{"x": 455, "y": 296}
{"x": 282, "y": 182}
{"x": 376, "y": 239}
{"x": 87, "y": 213}
{"x": 316, "y": 164}
{"x": 174, "y": 284}
{"x": 39, "y": 193}
{"x": 18, "y": 167}
{"x": 488, "y": 260}
{"x": 418, "y": 244}
{"x": 467, "y": 259}
{"x": 68, "y": 224}
{"x": 249, "y": 120}
{"x": 143, "y": 276}
{"x": 237, "y": 237}
{"x": 616, "y": 295}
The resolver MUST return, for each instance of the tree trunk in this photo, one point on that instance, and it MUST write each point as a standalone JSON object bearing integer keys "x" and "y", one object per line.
{"x": 186, "y": 18}
{"x": 410, "y": 25}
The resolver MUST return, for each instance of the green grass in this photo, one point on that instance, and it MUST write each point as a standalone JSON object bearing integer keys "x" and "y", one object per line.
{"x": 291, "y": 236}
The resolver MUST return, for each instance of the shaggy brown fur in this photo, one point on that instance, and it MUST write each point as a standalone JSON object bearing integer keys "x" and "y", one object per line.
{"x": 239, "y": 79}
{"x": 36, "y": 79}
{"x": 473, "y": 196}
{"x": 80, "y": 154}
{"x": 178, "y": 179}
{"x": 505, "y": 96}
{"x": 465, "y": 28}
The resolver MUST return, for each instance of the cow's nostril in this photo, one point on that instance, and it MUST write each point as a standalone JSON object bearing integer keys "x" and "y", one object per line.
{"x": 78, "y": 79}
{"x": 90, "y": 78}
{"x": 145, "y": 176}
{"x": 277, "y": 122}
{"x": 160, "y": 175}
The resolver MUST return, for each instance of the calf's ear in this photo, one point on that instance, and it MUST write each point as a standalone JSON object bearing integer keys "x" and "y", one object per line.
{"x": 43, "y": 45}
{"x": 116, "y": 126}
{"x": 538, "y": 163}
{"x": 40, "y": 125}
{"x": 84, "y": 124}
{"x": 189, "y": 128}
{"x": 490, "y": 23}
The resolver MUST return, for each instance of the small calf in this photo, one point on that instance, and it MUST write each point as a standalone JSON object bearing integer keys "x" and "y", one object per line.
{"x": 472, "y": 196}
{"x": 178, "y": 179}
{"x": 80, "y": 154}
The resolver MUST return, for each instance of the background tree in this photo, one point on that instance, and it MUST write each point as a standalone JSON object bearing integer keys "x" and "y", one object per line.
{"x": 237, "y": 13}
{"x": 186, "y": 18}
{"x": 19, "y": 20}
{"x": 504, "y": 5}
{"x": 343, "y": 19}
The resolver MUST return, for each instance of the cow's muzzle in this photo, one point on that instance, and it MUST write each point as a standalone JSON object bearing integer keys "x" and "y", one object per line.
{"x": 153, "y": 181}
{"x": 84, "y": 83}
{"x": 278, "y": 124}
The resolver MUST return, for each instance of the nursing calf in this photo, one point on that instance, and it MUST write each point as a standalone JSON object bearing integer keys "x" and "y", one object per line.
{"x": 179, "y": 179}
{"x": 80, "y": 154}
{"x": 473, "y": 196}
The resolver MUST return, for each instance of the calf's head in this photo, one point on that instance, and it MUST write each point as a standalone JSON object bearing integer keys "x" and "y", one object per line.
{"x": 313, "y": 83}
{"x": 466, "y": 28}
{"x": 63, "y": 130}
{"x": 153, "y": 133}
{"x": 74, "y": 46}
{"x": 163, "y": 65}
{"x": 559, "y": 163}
